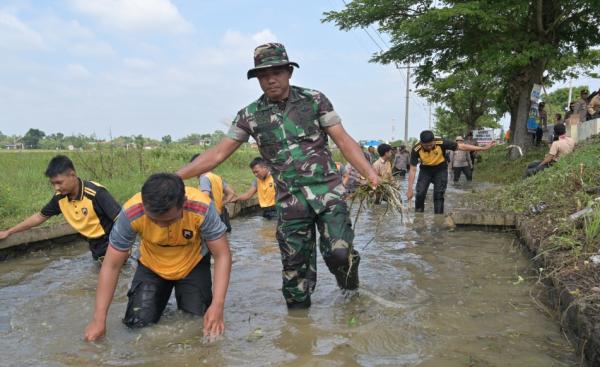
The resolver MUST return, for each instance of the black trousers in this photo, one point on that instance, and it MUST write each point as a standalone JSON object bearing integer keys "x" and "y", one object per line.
{"x": 437, "y": 175}
{"x": 150, "y": 293}
{"x": 466, "y": 170}
{"x": 98, "y": 247}
{"x": 533, "y": 168}
{"x": 270, "y": 212}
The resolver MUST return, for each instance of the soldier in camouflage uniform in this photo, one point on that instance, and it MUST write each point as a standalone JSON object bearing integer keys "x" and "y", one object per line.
{"x": 291, "y": 126}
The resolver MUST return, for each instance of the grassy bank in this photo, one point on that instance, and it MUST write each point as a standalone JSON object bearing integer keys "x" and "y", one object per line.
{"x": 496, "y": 168}
{"x": 24, "y": 189}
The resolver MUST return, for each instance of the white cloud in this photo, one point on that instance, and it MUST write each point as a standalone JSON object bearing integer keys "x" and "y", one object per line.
{"x": 237, "y": 39}
{"x": 77, "y": 71}
{"x": 138, "y": 63}
{"x": 235, "y": 48}
{"x": 92, "y": 49}
{"x": 135, "y": 15}
{"x": 16, "y": 35}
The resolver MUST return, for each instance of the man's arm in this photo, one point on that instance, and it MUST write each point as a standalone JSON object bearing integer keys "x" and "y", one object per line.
{"x": 247, "y": 195}
{"x": 547, "y": 159}
{"x": 32, "y": 221}
{"x": 229, "y": 195}
{"x": 352, "y": 152}
{"x": 122, "y": 236}
{"x": 213, "y": 318}
{"x": 411, "y": 180}
{"x": 475, "y": 148}
{"x": 107, "y": 282}
{"x": 211, "y": 158}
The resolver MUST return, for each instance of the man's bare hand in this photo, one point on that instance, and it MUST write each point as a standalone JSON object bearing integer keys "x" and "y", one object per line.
{"x": 213, "y": 321}
{"x": 94, "y": 330}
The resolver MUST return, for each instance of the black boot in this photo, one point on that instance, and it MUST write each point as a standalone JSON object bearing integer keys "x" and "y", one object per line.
{"x": 348, "y": 279}
{"x": 294, "y": 305}
{"x": 438, "y": 206}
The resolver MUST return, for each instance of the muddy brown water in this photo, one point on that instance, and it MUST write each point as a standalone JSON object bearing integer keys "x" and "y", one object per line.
{"x": 431, "y": 298}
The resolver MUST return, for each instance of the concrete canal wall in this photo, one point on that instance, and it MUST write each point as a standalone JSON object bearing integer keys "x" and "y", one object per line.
{"x": 63, "y": 232}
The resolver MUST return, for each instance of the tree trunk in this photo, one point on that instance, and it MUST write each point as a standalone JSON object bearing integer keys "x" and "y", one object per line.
{"x": 519, "y": 135}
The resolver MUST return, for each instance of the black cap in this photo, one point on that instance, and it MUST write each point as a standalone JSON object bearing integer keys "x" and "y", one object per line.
{"x": 426, "y": 136}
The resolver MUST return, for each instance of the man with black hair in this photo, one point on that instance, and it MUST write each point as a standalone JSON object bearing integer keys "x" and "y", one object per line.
{"x": 86, "y": 205}
{"x": 264, "y": 186}
{"x": 431, "y": 152}
{"x": 179, "y": 230}
{"x": 562, "y": 146}
{"x": 383, "y": 165}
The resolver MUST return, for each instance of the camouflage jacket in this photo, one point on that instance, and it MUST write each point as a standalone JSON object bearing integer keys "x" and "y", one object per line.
{"x": 291, "y": 137}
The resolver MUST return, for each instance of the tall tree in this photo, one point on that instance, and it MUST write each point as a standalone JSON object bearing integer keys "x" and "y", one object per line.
{"x": 522, "y": 42}
{"x": 469, "y": 98}
{"x": 32, "y": 138}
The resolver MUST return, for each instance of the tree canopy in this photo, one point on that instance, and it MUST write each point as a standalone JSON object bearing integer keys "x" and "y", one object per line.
{"x": 518, "y": 42}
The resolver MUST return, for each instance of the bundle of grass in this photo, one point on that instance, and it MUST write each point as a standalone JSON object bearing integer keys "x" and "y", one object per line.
{"x": 367, "y": 196}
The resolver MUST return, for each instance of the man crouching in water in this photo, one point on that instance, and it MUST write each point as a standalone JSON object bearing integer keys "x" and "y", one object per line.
{"x": 179, "y": 229}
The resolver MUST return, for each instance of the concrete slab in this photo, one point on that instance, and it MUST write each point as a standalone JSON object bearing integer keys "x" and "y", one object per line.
{"x": 469, "y": 217}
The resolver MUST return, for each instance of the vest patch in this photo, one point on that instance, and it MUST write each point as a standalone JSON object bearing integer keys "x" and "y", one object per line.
{"x": 187, "y": 234}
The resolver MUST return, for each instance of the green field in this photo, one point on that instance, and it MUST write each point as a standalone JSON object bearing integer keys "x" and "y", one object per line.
{"x": 24, "y": 189}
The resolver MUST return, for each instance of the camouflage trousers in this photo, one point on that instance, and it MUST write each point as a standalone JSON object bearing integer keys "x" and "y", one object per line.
{"x": 296, "y": 234}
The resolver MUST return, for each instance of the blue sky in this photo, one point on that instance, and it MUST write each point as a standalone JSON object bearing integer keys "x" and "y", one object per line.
{"x": 159, "y": 67}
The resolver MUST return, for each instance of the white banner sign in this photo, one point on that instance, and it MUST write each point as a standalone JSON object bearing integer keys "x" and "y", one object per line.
{"x": 483, "y": 136}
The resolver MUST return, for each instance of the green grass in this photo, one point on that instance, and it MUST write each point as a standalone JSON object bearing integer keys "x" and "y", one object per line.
{"x": 568, "y": 186}
{"x": 495, "y": 166}
{"x": 24, "y": 189}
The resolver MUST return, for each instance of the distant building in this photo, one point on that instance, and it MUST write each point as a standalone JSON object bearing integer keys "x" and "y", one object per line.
{"x": 14, "y": 146}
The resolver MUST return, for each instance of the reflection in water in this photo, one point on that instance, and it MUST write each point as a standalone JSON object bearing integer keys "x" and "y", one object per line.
{"x": 432, "y": 298}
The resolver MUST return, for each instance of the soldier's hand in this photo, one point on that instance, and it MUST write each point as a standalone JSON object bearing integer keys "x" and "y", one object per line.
{"x": 490, "y": 145}
{"x": 409, "y": 194}
{"x": 374, "y": 180}
{"x": 4, "y": 234}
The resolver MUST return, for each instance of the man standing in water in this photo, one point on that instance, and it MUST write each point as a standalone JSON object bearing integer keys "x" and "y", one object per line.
{"x": 291, "y": 126}
{"x": 431, "y": 152}
{"x": 179, "y": 230}
{"x": 264, "y": 186}
{"x": 86, "y": 205}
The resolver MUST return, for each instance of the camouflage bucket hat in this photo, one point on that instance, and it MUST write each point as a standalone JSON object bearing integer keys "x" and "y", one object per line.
{"x": 269, "y": 55}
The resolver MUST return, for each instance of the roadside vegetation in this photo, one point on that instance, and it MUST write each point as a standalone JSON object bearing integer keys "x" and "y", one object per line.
{"x": 24, "y": 189}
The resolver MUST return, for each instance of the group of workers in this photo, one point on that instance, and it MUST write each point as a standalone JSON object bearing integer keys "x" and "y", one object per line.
{"x": 181, "y": 228}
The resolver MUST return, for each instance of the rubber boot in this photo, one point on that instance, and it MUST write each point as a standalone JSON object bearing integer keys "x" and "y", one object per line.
{"x": 348, "y": 279}
{"x": 293, "y": 305}
{"x": 438, "y": 206}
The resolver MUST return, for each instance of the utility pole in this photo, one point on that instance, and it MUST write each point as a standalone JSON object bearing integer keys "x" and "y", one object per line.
{"x": 407, "y": 67}
{"x": 406, "y": 107}
{"x": 570, "y": 95}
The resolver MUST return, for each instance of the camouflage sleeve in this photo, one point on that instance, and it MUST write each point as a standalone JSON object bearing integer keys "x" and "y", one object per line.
{"x": 327, "y": 116}
{"x": 240, "y": 127}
